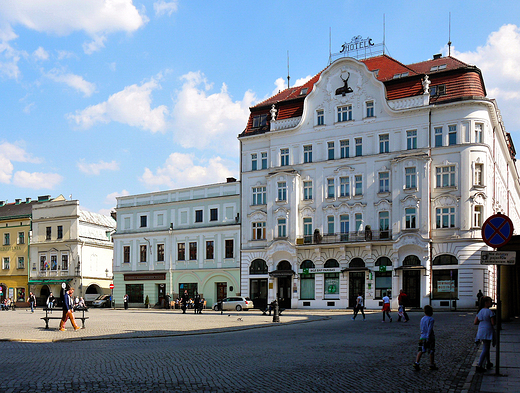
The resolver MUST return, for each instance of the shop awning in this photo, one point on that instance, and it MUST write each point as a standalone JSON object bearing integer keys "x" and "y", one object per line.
{"x": 413, "y": 267}
{"x": 281, "y": 273}
{"x": 43, "y": 282}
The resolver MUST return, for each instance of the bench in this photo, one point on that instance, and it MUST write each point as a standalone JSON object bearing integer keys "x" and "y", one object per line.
{"x": 59, "y": 310}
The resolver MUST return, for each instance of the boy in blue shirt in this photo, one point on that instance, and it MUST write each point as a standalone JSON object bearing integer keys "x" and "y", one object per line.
{"x": 427, "y": 339}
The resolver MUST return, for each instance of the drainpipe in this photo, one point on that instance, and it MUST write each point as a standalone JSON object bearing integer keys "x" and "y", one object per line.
{"x": 430, "y": 215}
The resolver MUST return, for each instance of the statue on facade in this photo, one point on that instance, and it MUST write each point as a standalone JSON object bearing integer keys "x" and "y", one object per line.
{"x": 426, "y": 85}
{"x": 273, "y": 113}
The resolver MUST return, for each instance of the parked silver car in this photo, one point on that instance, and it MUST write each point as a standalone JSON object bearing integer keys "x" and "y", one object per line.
{"x": 102, "y": 301}
{"x": 237, "y": 303}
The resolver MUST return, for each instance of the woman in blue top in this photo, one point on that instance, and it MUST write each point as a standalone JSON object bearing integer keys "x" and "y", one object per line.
{"x": 485, "y": 320}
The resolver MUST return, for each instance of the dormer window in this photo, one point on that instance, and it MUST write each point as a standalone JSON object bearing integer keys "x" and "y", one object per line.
{"x": 304, "y": 91}
{"x": 259, "y": 121}
{"x": 401, "y": 75}
{"x": 438, "y": 90}
{"x": 438, "y": 68}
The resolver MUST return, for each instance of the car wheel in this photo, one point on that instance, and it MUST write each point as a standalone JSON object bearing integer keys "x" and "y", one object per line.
{"x": 238, "y": 307}
{"x": 215, "y": 307}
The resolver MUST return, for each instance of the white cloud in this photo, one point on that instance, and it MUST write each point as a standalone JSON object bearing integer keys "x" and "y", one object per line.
{"x": 16, "y": 152}
{"x": 185, "y": 170}
{"x": 206, "y": 121}
{"x": 41, "y": 54}
{"x": 6, "y": 169}
{"x": 95, "y": 45}
{"x": 75, "y": 81}
{"x": 162, "y": 7}
{"x": 9, "y": 57}
{"x": 97, "y": 167}
{"x": 130, "y": 106}
{"x": 29, "y": 107}
{"x": 110, "y": 199}
{"x": 36, "y": 180}
{"x": 281, "y": 84}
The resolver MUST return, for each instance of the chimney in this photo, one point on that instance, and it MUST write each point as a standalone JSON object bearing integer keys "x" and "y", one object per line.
{"x": 2, "y": 203}
{"x": 437, "y": 56}
{"x": 113, "y": 215}
{"x": 44, "y": 198}
{"x": 17, "y": 201}
{"x": 230, "y": 180}
{"x": 27, "y": 200}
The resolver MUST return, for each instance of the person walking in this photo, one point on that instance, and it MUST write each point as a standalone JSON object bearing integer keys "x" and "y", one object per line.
{"x": 359, "y": 307}
{"x": 402, "y": 300}
{"x": 485, "y": 320}
{"x": 50, "y": 301}
{"x": 185, "y": 298}
{"x": 427, "y": 339}
{"x": 386, "y": 307}
{"x": 196, "y": 303}
{"x": 32, "y": 301}
{"x": 125, "y": 301}
{"x": 480, "y": 295}
{"x": 68, "y": 310}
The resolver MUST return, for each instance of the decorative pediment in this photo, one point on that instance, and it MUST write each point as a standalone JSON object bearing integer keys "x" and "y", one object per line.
{"x": 411, "y": 239}
{"x": 330, "y": 209}
{"x": 257, "y": 215}
{"x": 446, "y": 200}
{"x": 410, "y": 201}
{"x": 344, "y": 168}
{"x": 478, "y": 199}
{"x": 308, "y": 211}
{"x": 383, "y": 204}
{"x": 282, "y": 211}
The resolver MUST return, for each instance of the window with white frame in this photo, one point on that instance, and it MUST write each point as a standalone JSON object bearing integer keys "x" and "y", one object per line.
{"x": 264, "y": 159}
{"x": 330, "y": 225}
{"x": 259, "y": 195}
{"x": 6, "y": 263}
{"x": 144, "y": 221}
{"x": 7, "y": 239}
{"x": 358, "y": 185}
{"x": 284, "y": 157}
{"x": 479, "y": 133}
{"x": 344, "y": 148}
{"x": 344, "y": 186}
{"x": 330, "y": 188}
{"x": 384, "y": 222}
{"x": 452, "y": 135}
{"x": 181, "y": 251}
{"x": 330, "y": 150}
{"x": 282, "y": 191}
{"x": 64, "y": 262}
{"x": 259, "y": 121}
{"x": 344, "y": 224}
{"x": 282, "y": 227}
{"x": 477, "y": 177}
{"x": 438, "y": 136}
{"x": 193, "y": 251}
{"x": 384, "y": 143}
{"x": 344, "y": 113}
{"x": 160, "y": 252}
{"x": 410, "y": 217}
{"x": 410, "y": 177}
{"x": 254, "y": 162}
{"x": 21, "y": 237}
{"x": 307, "y": 226}
{"x": 210, "y": 249}
{"x": 370, "y": 108}
{"x": 198, "y": 216}
{"x": 258, "y": 230}
{"x": 384, "y": 181}
{"x": 445, "y": 176}
{"x": 307, "y": 190}
{"x": 445, "y": 217}
{"x": 320, "y": 117}
{"x": 126, "y": 254}
{"x": 359, "y": 146}
{"x": 213, "y": 214}
{"x": 478, "y": 211}
{"x": 359, "y": 222}
{"x": 307, "y": 153}
{"x": 142, "y": 253}
{"x": 411, "y": 139}
{"x": 21, "y": 263}
{"x": 230, "y": 248}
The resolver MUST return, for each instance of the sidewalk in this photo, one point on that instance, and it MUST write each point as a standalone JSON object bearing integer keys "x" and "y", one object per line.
{"x": 509, "y": 379}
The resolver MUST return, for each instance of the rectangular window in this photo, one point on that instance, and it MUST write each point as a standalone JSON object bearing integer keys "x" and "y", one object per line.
{"x": 445, "y": 217}
{"x": 43, "y": 262}
{"x": 135, "y": 293}
{"x": 410, "y": 177}
{"x": 452, "y": 135}
{"x": 230, "y": 248}
{"x": 210, "y": 245}
{"x": 384, "y": 222}
{"x": 160, "y": 253}
{"x": 282, "y": 227}
{"x": 64, "y": 262}
{"x": 358, "y": 184}
{"x": 126, "y": 254}
{"x": 144, "y": 221}
{"x": 282, "y": 191}
{"x": 384, "y": 143}
{"x": 254, "y": 162}
{"x": 48, "y": 233}
{"x": 307, "y": 190}
{"x": 359, "y": 147}
{"x": 344, "y": 186}
{"x": 384, "y": 182}
{"x": 410, "y": 217}
{"x": 21, "y": 263}
{"x": 445, "y": 176}
{"x": 344, "y": 113}
{"x": 193, "y": 251}
{"x": 330, "y": 188}
{"x": 307, "y": 153}
{"x": 330, "y": 149}
{"x": 259, "y": 195}
{"x": 264, "y": 160}
{"x": 284, "y": 157}
{"x": 160, "y": 220}
{"x": 320, "y": 117}
{"x": 259, "y": 121}
{"x": 198, "y": 215}
{"x": 383, "y": 284}
{"x": 344, "y": 224}
{"x": 6, "y": 263}
{"x": 330, "y": 225}
{"x": 445, "y": 284}
{"x": 213, "y": 214}
{"x": 477, "y": 178}
{"x": 477, "y": 216}
{"x": 21, "y": 237}
{"x": 438, "y": 136}
{"x": 307, "y": 226}
{"x": 258, "y": 230}
{"x": 479, "y": 132}
{"x": 7, "y": 239}
{"x": 411, "y": 139}
{"x": 142, "y": 253}
{"x": 344, "y": 148}
{"x": 54, "y": 262}
{"x": 359, "y": 222}
{"x": 60, "y": 232}
{"x": 181, "y": 251}
{"x": 370, "y": 108}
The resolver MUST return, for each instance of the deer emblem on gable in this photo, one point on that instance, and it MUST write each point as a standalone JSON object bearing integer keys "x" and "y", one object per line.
{"x": 345, "y": 89}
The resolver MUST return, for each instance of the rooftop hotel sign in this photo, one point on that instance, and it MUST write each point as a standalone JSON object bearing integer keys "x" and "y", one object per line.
{"x": 356, "y": 44}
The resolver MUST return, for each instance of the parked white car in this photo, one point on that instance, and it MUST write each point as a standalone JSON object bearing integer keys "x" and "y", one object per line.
{"x": 237, "y": 303}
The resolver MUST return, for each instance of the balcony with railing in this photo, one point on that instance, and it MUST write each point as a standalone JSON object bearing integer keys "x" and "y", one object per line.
{"x": 284, "y": 124}
{"x": 349, "y": 237}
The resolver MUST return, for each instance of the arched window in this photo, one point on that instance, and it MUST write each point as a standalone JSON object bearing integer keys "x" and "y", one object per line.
{"x": 445, "y": 260}
{"x": 284, "y": 265}
{"x": 356, "y": 262}
{"x": 331, "y": 280}
{"x": 307, "y": 265}
{"x": 258, "y": 266}
{"x": 383, "y": 261}
{"x": 411, "y": 260}
{"x": 331, "y": 263}
{"x": 307, "y": 291}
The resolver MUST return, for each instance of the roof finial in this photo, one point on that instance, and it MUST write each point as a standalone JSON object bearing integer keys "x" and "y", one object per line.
{"x": 288, "y": 76}
{"x": 449, "y": 37}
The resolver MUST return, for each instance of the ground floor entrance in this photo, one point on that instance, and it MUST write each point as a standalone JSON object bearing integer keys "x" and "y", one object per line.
{"x": 412, "y": 287}
{"x": 284, "y": 291}
{"x": 258, "y": 292}
{"x": 356, "y": 284}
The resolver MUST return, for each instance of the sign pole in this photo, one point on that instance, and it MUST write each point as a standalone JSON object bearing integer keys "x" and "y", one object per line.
{"x": 499, "y": 323}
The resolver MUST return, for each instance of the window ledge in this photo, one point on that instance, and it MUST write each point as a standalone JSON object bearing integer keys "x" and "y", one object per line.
{"x": 383, "y": 194}
{"x": 410, "y": 190}
{"x": 345, "y": 197}
{"x": 358, "y": 196}
{"x": 446, "y": 188}
{"x": 478, "y": 187}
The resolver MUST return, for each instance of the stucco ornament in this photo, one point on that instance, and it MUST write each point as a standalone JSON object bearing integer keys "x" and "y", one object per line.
{"x": 426, "y": 85}
{"x": 273, "y": 113}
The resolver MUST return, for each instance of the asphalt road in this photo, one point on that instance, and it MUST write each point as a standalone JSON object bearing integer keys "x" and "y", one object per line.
{"x": 327, "y": 355}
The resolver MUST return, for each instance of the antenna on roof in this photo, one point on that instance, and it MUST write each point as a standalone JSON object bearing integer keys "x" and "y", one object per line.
{"x": 288, "y": 76}
{"x": 384, "y": 34}
{"x": 449, "y": 37}
{"x": 330, "y": 44}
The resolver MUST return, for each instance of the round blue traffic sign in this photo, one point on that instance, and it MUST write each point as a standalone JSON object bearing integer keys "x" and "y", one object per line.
{"x": 497, "y": 230}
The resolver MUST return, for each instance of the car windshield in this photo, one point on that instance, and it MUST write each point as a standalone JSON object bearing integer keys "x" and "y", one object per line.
{"x": 101, "y": 297}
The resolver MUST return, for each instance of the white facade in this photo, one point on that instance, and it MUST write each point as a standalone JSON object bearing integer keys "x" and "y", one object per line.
{"x": 416, "y": 184}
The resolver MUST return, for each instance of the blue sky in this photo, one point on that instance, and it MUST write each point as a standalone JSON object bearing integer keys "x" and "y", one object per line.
{"x": 107, "y": 98}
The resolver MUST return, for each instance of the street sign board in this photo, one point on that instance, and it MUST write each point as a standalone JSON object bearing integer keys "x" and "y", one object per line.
{"x": 498, "y": 257}
{"x": 111, "y": 286}
{"x": 497, "y": 230}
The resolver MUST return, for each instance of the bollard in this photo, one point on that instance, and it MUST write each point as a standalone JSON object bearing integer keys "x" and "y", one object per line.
{"x": 221, "y": 308}
{"x": 276, "y": 313}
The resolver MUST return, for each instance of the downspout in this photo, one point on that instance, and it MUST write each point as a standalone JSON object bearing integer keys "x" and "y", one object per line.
{"x": 430, "y": 215}
{"x": 240, "y": 218}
